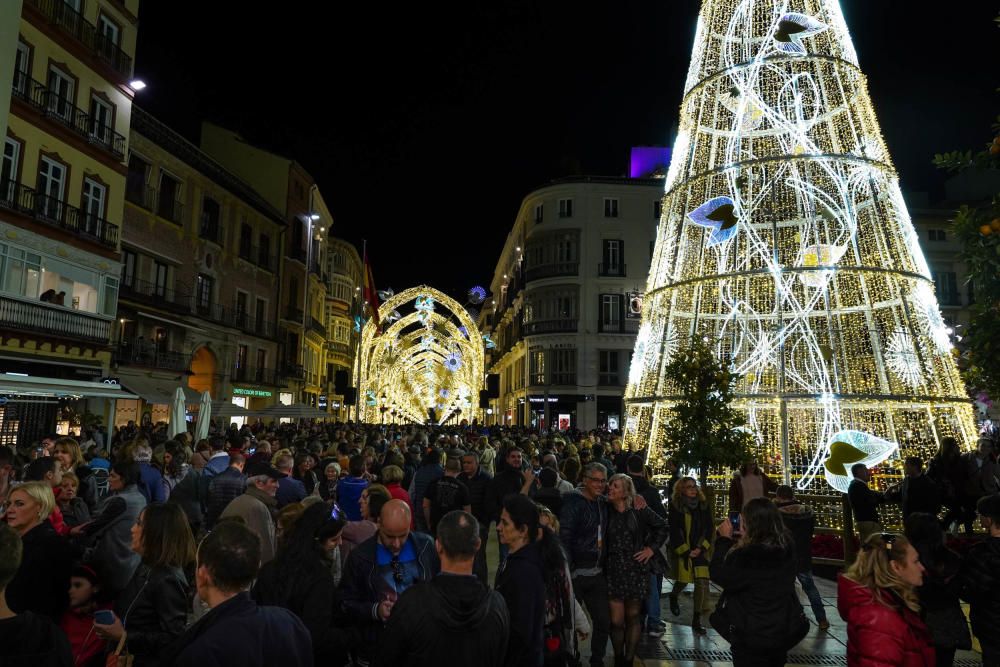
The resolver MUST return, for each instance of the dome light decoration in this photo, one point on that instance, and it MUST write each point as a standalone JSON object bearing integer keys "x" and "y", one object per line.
{"x": 785, "y": 241}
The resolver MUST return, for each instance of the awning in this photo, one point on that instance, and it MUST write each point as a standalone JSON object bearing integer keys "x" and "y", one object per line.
{"x": 31, "y": 385}
{"x": 295, "y": 411}
{"x": 155, "y": 390}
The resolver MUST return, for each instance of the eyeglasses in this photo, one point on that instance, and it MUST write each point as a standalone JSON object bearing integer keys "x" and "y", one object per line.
{"x": 599, "y": 480}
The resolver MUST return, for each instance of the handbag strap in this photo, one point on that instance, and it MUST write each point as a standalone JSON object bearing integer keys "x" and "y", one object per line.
{"x": 121, "y": 644}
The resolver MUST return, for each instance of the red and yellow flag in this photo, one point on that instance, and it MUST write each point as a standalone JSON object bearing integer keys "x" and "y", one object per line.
{"x": 369, "y": 293}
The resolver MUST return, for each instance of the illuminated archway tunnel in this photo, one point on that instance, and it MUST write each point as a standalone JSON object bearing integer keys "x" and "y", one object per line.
{"x": 427, "y": 362}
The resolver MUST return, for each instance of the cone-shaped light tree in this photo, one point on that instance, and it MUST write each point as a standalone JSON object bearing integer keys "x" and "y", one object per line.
{"x": 785, "y": 241}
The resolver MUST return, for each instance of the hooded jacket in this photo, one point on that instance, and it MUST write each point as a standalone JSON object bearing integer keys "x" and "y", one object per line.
{"x": 880, "y": 633}
{"x": 453, "y": 619}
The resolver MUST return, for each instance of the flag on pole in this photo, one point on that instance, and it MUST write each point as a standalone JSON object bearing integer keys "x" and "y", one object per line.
{"x": 369, "y": 293}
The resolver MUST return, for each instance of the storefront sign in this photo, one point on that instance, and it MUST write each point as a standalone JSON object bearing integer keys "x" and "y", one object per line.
{"x": 246, "y": 391}
{"x": 541, "y": 399}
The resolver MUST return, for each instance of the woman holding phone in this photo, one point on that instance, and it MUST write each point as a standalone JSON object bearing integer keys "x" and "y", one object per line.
{"x": 152, "y": 609}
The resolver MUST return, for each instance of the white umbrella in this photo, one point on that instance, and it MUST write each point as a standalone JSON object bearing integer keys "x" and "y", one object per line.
{"x": 178, "y": 421}
{"x": 204, "y": 416}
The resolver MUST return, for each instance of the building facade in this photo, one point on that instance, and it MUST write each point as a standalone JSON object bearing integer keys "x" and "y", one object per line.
{"x": 62, "y": 188}
{"x": 288, "y": 187}
{"x": 344, "y": 276}
{"x": 566, "y": 297}
{"x": 199, "y": 300}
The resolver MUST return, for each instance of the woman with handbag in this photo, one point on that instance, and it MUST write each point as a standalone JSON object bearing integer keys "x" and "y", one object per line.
{"x": 877, "y": 597}
{"x": 759, "y": 612}
{"x": 152, "y": 610}
{"x": 691, "y": 528}
{"x": 633, "y": 541}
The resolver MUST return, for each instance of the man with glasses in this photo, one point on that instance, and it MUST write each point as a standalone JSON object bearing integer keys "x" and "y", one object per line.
{"x": 382, "y": 567}
{"x": 583, "y": 525}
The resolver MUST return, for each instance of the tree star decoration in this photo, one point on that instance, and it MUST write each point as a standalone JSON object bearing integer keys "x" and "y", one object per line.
{"x": 719, "y": 216}
{"x": 453, "y": 362}
{"x": 849, "y": 447}
{"x": 792, "y": 29}
{"x": 901, "y": 358}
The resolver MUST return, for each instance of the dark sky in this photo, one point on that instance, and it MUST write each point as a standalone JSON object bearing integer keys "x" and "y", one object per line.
{"x": 425, "y": 124}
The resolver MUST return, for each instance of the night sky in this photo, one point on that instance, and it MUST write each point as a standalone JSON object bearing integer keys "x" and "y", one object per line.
{"x": 426, "y": 124}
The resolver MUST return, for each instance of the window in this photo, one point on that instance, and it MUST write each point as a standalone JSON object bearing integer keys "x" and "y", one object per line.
{"x": 101, "y": 120}
{"x": 167, "y": 205}
{"x": 261, "y": 361}
{"x": 203, "y": 292}
{"x": 8, "y": 169}
{"x": 128, "y": 268}
{"x": 246, "y": 240}
{"x": 937, "y": 235}
{"x": 538, "y": 367}
{"x": 160, "y": 273}
{"x": 264, "y": 251}
{"x": 110, "y": 305}
{"x": 565, "y": 208}
{"x": 109, "y": 30}
{"x": 260, "y": 314}
{"x": 21, "y": 273}
{"x": 612, "y": 252}
{"x": 51, "y": 186}
{"x": 135, "y": 181}
{"x": 608, "y": 368}
{"x": 564, "y": 366}
{"x": 610, "y": 208}
{"x": 566, "y": 250}
{"x": 60, "y": 96}
{"x": 539, "y": 213}
{"x": 22, "y": 68}
{"x": 947, "y": 288}
{"x": 611, "y": 312}
{"x": 293, "y": 294}
{"x": 94, "y": 195}
{"x": 210, "y": 211}
{"x": 242, "y": 308}
{"x": 657, "y": 209}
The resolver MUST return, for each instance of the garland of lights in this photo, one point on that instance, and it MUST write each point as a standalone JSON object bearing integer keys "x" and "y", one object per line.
{"x": 422, "y": 359}
{"x": 785, "y": 239}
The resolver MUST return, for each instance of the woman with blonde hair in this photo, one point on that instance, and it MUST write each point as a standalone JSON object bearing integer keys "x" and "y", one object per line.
{"x": 877, "y": 598}
{"x": 691, "y": 527}
{"x": 41, "y": 584}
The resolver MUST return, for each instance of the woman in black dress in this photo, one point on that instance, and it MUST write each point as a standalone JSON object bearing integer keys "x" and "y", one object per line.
{"x": 634, "y": 539}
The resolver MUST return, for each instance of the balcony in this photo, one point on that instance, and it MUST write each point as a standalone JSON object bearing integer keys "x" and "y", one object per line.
{"x": 549, "y": 326}
{"x": 292, "y": 371}
{"x": 208, "y": 228}
{"x": 40, "y": 319}
{"x": 156, "y": 295}
{"x": 611, "y": 270}
{"x": 296, "y": 253}
{"x": 293, "y": 314}
{"x": 244, "y": 373}
{"x": 141, "y": 352}
{"x": 251, "y": 325}
{"x": 317, "y": 327}
{"x": 552, "y": 270}
{"x": 624, "y": 326}
{"x": 60, "y": 14}
{"x": 56, "y": 213}
{"x": 342, "y": 349}
{"x": 61, "y": 110}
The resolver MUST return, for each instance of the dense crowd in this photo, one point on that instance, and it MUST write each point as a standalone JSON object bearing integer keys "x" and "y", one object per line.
{"x": 337, "y": 544}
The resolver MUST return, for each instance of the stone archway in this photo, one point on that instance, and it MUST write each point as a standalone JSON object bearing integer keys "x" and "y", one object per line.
{"x": 428, "y": 361}
{"x": 204, "y": 368}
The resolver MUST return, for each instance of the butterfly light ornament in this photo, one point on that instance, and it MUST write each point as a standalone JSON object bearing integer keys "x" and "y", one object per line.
{"x": 847, "y": 448}
{"x": 792, "y": 29}
{"x": 719, "y": 216}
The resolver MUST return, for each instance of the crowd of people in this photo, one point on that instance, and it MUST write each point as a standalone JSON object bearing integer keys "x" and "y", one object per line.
{"x": 338, "y": 544}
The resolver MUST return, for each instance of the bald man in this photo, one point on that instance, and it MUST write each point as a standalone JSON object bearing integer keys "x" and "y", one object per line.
{"x": 379, "y": 569}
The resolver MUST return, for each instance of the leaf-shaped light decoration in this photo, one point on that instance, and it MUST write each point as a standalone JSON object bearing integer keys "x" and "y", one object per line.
{"x": 849, "y": 447}
{"x": 719, "y": 216}
{"x": 464, "y": 331}
{"x": 792, "y": 29}
{"x": 370, "y": 397}
{"x": 818, "y": 256}
{"x": 901, "y": 358}
{"x": 385, "y": 294}
{"x": 424, "y": 303}
{"x": 394, "y": 316}
{"x": 488, "y": 342}
{"x": 453, "y": 362}
{"x": 358, "y": 323}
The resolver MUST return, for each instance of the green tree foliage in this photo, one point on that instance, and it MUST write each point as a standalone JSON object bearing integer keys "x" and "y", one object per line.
{"x": 978, "y": 228}
{"x": 705, "y": 428}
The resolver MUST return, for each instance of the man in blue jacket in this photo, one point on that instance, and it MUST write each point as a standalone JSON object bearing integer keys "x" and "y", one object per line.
{"x": 237, "y": 631}
{"x": 382, "y": 568}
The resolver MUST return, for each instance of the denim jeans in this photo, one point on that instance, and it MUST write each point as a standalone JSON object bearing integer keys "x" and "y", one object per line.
{"x": 592, "y": 592}
{"x": 815, "y": 601}
{"x": 653, "y": 600}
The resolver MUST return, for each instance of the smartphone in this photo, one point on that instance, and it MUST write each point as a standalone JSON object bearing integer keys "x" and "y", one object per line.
{"x": 104, "y": 616}
{"x": 734, "y": 518}
{"x": 252, "y": 451}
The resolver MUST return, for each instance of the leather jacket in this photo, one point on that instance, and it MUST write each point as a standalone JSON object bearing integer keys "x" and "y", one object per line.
{"x": 153, "y": 607}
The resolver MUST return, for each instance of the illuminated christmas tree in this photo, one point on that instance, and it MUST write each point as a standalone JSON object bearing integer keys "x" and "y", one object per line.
{"x": 786, "y": 243}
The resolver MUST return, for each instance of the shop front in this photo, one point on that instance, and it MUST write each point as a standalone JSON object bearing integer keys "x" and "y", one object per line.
{"x": 152, "y": 396}
{"x": 562, "y": 410}
{"x": 253, "y": 399}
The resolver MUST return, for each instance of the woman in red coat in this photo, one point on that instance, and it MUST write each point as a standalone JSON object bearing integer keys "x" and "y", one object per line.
{"x": 877, "y": 597}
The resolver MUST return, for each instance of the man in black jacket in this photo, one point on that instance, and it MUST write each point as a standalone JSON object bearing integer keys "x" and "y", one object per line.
{"x": 509, "y": 480}
{"x": 801, "y": 523}
{"x": 453, "y": 619}
{"x": 917, "y": 492}
{"x": 478, "y": 482}
{"x": 864, "y": 502}
{"x": 637, "y": 471}
{"x": 236, "y": 631}
{"x": 980, "y": 581}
